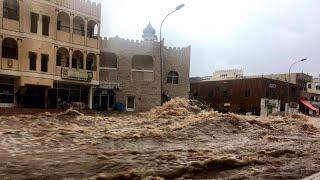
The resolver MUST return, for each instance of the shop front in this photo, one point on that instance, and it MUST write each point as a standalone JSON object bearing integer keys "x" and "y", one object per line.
{"x": 105, "y": 97}
{"x": 73, "y": 89}
{"x": 65, "y": 95}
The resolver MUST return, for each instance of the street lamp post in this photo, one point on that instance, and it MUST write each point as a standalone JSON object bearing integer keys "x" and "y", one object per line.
{"x": 161, "y": 61}
{"x": 289, "y": 78}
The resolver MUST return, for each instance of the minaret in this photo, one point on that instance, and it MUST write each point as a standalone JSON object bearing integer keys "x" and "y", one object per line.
{"x": 149, "y": 33}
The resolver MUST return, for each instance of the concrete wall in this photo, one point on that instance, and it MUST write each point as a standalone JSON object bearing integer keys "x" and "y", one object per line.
{"x": 27, "y": 41}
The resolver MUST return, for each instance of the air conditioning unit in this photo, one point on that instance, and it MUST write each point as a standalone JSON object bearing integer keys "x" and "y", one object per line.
{"x": 273, "y": 86}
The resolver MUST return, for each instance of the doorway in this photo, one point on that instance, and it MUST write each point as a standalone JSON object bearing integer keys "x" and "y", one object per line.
{"x": 130, "y": 103}
{"x": 34, "y": 97}
{"x": 104, "y": 100}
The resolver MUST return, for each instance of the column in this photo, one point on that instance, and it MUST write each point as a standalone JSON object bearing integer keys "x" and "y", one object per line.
{"x": 98, "y": 45}
{"x": 98, "y": 67}
{"x": 40, "y": 25}
{"x": 1, "y": 38}
{"x": 85, "y": 60}
{"x": 71, "y": 27}
{"x": 85, "y": 31}
{"x": 90, "y": 97}
{"x": 20, "y": 50}
{"x": 55, "y": 61}
{"x": 55, "y": 22}
{"x": 21, "y": 15}
{"x": 70, "y": 58}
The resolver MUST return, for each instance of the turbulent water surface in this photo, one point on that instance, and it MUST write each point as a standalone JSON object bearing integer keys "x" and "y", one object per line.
{"x": 176, "y": 141}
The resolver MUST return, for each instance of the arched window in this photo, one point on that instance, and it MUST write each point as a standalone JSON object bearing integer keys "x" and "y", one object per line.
{"x": 63, "y": 23}
{"x": 62, "y": 58}
{"x": 142, "y": 62}
{"x": 91, "y": 62}
{"x": 11, "y": 9}
{"x": 108, "y": 60}
{"x": 92, "y": 29}
{"x": 78, "y": 26}
{"x": 173, "y": 77}
{"x": 9, "y": 48}
{"x": 77, "y": 60}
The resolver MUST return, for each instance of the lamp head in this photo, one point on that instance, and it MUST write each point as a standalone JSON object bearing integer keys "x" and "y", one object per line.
{"x": 303, "y": 59}
{"x": 180, "y": 6}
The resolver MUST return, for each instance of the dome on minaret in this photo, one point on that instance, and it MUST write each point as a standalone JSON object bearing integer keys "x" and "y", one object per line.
{"x": 149, "y": 33}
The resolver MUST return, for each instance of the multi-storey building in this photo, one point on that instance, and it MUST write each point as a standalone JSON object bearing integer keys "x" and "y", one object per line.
{"x": 257, "y": 96}
{"x": 49, "y": 52}
{"x": 130, "y": 72}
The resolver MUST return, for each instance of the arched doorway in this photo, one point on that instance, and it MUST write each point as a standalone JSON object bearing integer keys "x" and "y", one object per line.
{"x": 104, "y": 100}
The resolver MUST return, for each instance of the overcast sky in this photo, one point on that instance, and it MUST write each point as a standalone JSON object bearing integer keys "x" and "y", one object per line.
{"x": 258, "y": 36}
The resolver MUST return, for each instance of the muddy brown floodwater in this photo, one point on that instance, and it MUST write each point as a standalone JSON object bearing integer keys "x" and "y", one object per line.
{"x": 175, "y": 141}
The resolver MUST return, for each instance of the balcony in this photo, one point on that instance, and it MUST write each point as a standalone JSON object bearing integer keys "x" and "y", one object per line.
{"x": 63, "y": 34}
{"x": 92, "y": 42}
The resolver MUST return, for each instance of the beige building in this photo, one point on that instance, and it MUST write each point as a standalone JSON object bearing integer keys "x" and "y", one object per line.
{"x": 227, "y": 74}
{"x": 49, "y": 52}
{"x": 130, "y": 72}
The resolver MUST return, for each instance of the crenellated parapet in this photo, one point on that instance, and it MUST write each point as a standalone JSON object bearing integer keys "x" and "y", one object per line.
{"x": 141, "y": 45}
{"x": 177, "y": 51}
{"x": 84, "y": 6}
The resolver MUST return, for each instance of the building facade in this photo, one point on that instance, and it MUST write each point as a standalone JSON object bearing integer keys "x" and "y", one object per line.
{"x": 256, "y": 96}
{"x": 227, "y": 74}
{"x": 130, "y": 73}
{"x": 49, "y": 52}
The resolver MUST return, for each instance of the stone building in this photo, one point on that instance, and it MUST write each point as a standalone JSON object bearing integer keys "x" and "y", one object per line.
{"x": 49, "y": 52}
{"x": 130, "y": 72}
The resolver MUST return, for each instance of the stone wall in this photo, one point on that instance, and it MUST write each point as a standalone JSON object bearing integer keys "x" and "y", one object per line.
{"x": 148, "y": 93}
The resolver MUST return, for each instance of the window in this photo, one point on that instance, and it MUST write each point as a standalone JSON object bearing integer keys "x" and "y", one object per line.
{"x": 309, "y": 86}
{"x": 91, "y": 62}
{"x": 77, "y": 60}
{"x": 6, "y": 93}
{"x": 78, "y": 26}
{"x": 32, "y": 61}
{"x": 142, "y": 68}
{"x": 108, "y": 60}
{"x": 44, "y": 62}
{"x": 130, "y": 103}
{"x": 11, "y": 9}
{"x": 317, "y": 87}
{"x": 34, "y": 22}
{"x": 173, "y": 77}
{"x": 247, "y": 93}
{"x": 9, "y": 48}
{"x": 62, "y": 58}
{"x": 63, "y": 22}
{"x": 225, "y": 94}
{"x": 210, "y": 94}
{"x": 45, "y": 25}
{"x": 92, "y": 30}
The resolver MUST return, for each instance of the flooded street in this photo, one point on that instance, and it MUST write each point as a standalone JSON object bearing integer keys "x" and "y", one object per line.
{"x": 176, "y": 141}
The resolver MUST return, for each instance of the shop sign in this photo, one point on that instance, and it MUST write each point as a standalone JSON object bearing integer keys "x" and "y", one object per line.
{"x": 74, "y": 74}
